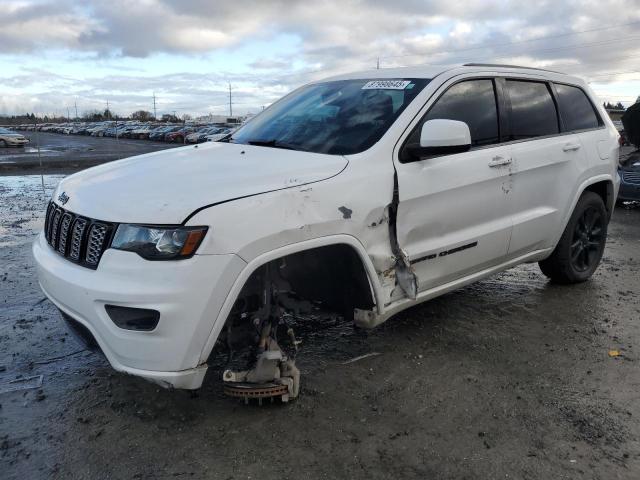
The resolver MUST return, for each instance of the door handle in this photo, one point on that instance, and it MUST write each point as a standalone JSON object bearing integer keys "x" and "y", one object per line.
{"x": 498, "y": 160}
{"x": 569, "y": 147}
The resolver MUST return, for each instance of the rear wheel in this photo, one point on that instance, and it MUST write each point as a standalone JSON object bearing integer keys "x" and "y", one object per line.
{"x": 3, "y": 143}
{"x": 581, "y": 246}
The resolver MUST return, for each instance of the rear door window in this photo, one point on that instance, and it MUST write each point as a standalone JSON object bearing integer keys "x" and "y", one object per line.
{"x": 533, "y": 111}
{"x": 576, "y": 109}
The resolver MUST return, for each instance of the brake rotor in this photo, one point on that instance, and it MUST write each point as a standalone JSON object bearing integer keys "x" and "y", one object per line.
{"x": 258, "y": 391}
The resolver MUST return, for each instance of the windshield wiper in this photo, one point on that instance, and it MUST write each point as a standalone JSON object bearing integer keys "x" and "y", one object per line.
{"x": 273, "y": 144}
{"x": 227, "y": 138}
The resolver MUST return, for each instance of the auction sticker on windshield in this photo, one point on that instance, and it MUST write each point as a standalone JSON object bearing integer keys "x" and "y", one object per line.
{"x": 386, "y": 85}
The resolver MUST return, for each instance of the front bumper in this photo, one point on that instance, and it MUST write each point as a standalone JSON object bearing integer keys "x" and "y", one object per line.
{"x": 188, "y": 294}
{"x": 629, "y": 192}
{"x": 17, "y": 141}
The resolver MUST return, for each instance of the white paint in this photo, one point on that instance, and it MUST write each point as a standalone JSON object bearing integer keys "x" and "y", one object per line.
{"x": 444, "y": 133}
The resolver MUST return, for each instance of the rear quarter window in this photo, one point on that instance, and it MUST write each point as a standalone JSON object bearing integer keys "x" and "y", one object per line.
{"x": 576, "y": 109}
{"x": 533, "y": 111}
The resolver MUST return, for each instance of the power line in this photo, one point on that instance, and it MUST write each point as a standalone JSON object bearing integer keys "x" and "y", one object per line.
{"x": 613, "y": 73}
{"x": 494, "y": 45}
{"x": 568, "y": 47}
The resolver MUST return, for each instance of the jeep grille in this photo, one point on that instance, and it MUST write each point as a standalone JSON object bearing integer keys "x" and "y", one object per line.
{"x": 79, "y": 239}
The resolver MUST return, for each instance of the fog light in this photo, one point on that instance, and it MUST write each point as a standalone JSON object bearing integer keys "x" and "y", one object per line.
{"x": 128, "y": 318}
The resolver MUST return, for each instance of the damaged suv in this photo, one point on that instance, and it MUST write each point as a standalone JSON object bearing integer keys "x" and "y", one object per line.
{"x": 360, "y": 195}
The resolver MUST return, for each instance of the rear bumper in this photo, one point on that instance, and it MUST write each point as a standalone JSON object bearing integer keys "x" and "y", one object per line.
{"x": 188, "y": 294}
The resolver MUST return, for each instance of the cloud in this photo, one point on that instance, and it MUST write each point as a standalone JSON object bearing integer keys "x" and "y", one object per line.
{"x": 333, "y": 37}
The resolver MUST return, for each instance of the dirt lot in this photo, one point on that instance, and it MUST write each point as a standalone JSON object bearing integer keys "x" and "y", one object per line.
{"x": 508, "y": 378}
{"x": 68, "y": 153}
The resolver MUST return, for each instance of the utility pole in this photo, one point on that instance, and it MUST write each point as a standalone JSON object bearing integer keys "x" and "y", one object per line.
{"x": 108, "y": 109}
{"x": 378, "y": 64}
{"x": 230, "y": 103}
{"x": 75, "y": 104}
{"x": 68, "y": 117}
{"x": 155, "y": 115}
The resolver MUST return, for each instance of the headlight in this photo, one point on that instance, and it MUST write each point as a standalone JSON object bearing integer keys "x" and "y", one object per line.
{"x": 159, "y": 243}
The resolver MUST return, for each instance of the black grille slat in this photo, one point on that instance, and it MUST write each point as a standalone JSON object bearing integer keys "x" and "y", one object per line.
{"x": 97, "y": 236}
{"x": 55, "y": 223}
{"x": 47, "y": 221}
{"x": 79, "y": 239}
{"x": 65, "y": 224}
{"x": 77, "y": 236}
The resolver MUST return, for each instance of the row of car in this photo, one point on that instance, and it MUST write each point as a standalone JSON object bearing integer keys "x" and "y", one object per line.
{"x": 173, "y": 133}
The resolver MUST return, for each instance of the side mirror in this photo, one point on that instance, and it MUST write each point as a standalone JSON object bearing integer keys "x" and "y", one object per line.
{"x": 441, "y": 137}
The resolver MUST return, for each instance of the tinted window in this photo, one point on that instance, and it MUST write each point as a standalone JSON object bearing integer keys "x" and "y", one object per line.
{"x": 340, "y": 117}
{"x": 472, "y": 102}
{"x": 576, "y": 109}
{"x": 533, "y": 113}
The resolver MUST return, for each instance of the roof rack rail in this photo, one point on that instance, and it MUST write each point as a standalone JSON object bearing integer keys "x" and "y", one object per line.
{"x": 506, "y": 66}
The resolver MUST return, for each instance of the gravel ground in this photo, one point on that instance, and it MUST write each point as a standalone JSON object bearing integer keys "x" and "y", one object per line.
{"x": 508, "y": 378}
{"x": 68, "y": 153}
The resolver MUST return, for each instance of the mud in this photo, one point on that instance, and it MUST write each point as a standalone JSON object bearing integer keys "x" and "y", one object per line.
{"x": 508, "y": 378}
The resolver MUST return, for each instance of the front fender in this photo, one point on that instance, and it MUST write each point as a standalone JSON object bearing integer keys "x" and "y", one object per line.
{"x": 261, "y": 260}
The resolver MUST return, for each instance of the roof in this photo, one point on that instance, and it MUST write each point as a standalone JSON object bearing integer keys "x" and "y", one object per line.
{"x": 431, "y": 71}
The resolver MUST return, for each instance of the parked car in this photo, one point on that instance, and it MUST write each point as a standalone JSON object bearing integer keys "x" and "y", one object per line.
{"x": 100, "y": 130}
{"x": 9, "y": 138}
{"x": 158, "y": 134}
{"x": 178, "y": 136}
{"x": 141, "y": 132}
{"x": 220, "y": 134}
{"x": 200, "y": 135}
{"x": 629, "y": 172}
{"x": 362, "y": 195}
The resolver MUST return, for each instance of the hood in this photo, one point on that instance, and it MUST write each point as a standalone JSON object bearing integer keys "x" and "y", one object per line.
{"x": 165, "y": 187}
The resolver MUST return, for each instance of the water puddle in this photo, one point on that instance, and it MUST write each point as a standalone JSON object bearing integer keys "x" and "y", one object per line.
{"x": 9, "y": 157}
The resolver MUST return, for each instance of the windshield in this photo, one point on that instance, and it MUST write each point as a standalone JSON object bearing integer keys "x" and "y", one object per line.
{"x": 341, "y": 117}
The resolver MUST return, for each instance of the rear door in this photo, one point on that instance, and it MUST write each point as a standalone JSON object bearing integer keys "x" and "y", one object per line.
{"x": 546, "y": 165}
{"x": 453, "y": 213}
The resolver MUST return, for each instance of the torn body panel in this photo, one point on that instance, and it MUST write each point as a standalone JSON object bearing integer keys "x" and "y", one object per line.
{"x": 405, "y": 276}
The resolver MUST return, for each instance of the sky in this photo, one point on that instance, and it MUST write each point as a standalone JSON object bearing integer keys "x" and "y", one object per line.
{"x": 59, "y": 54}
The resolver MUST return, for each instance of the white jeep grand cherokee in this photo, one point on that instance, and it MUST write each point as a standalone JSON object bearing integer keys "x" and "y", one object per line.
{"x": 363, "y": 194}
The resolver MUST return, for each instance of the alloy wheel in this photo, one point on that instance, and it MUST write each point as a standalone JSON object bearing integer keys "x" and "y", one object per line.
{"x": 587, "y": 241}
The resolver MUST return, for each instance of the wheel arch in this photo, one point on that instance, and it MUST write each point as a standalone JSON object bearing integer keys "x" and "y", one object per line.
{"x": 605, "y": 189}
{"x": 601, "y": 185}
{"x": 307, "y": 246}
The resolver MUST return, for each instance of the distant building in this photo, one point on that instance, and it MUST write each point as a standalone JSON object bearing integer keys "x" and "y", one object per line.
{"x": 615, "y": 113}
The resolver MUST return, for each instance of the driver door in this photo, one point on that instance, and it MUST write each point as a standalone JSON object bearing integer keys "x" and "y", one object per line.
{"x": 453, "y": 213}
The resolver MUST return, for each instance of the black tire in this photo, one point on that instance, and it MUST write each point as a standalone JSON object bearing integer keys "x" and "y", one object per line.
{"x": 3, "y": 143}
{"x": 581, "y": 246}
